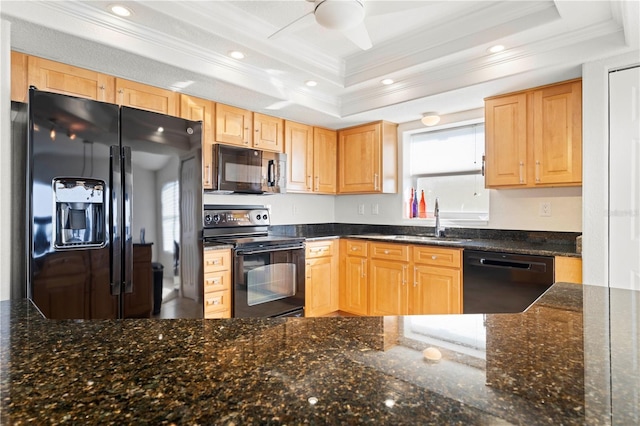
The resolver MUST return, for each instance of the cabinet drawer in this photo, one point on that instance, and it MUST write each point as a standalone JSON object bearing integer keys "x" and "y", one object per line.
{"x": 429, "y": 255}
{"x": 217, "y": 301}
{"x": 217, "y": 281}
{"x": 217, "y": 260}
{"x": 390, "y": 251}
{"x": 320, "y": 249}
{"x": 356, "y": 248}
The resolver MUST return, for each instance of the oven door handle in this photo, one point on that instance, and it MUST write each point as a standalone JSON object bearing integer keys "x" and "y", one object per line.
{"x": 240, "y": 252}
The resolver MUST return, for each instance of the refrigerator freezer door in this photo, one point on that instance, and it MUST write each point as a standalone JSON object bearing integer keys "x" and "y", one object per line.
{"x": 69, "y": 155}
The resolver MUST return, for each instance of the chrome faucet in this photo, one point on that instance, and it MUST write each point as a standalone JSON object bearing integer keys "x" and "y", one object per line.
{"x": 436, "y": 214}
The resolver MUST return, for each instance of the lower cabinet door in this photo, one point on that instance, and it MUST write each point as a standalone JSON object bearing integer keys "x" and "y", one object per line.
{"x": 354, "y": 296}
{"x": 320, "y": 295}
{"x": 435, "y": 291}
{"x": 388, "y": 288}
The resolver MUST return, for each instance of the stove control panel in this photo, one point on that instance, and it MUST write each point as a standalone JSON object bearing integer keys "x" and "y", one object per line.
{"x": 216, "y": 218}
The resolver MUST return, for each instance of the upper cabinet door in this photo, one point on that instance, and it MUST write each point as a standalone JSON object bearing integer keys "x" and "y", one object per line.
{"x": 55, "y": 77}
{"x": 368, "y": 159}
{"x": 193, "y": 108}
{"x": 299, "y": 150}
{"x": 360, "y": 159}
{"x": 325, "y": 157}
{"x": 506, "y": 140}
{"x": 268, "y": 132}
{"x": 19, "y": 85}
{"x": 234, "y": 126}
{"x": 557, "y": 134}
{"x": 149, "y": 98}
{"x": 534, "y": 137}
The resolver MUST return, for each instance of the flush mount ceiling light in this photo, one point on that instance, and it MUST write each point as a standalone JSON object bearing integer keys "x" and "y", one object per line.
{"x": 120, "y": 10}
{"x": 430, "y": 119}
{"x": 311, "y": 83}
{"x": 495, "y": 49}
{"x": 387, "y": 81}
{"x": 236, "y": 54}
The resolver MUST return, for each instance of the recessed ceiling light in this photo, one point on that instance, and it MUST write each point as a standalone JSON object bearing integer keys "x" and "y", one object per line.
{"x": 120, "y": 10}
{"x": 311, "y": 83}
{"x": 387, "y": 81}
{"x": 236, "y": 54}
{"x": 495, "y": 49}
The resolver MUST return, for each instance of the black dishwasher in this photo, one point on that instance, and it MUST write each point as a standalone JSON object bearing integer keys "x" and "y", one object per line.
{"x": 503, "y": 283}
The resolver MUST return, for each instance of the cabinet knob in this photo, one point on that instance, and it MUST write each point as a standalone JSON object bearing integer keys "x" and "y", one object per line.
{"x": 386, "y": 252}
{"x": 434, "y": 257}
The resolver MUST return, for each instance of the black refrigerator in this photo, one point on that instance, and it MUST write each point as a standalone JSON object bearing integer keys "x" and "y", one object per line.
{"x": 114, "y": 195}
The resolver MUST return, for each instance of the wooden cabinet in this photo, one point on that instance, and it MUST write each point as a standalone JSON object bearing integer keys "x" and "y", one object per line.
{"x": 217, "y": 283}
{"x": 311, "y": 158}
{"x": 234, "y": 126}
{"x": 139, "y": 303}
{"x": 437, "y": 281}
{"x": 388, "y": 279}
{"x": 354, "y": 292}
{"x": 325, "y": 158}
{"x": 69, "y": 80}
{"x": 568, "y": 269}
{"x": 399, "y": 279}
{"x": 534, "y": 138}
{"x": 197, "y": 109}
{"x": 19, "y": 84}
{"x": 367, "y": 159}
{"x": 149, "y": 98}
{"x": 321, "y": 290}
{"x": 506, "y": 140}
{"x": 299, "y": 149}
{"x": 268, "y": 132}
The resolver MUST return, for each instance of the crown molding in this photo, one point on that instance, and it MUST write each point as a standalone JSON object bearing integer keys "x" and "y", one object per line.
{"x": 432, "y": 44}
{"x": 571, "y": 48}
{"x": 88, "y": 23}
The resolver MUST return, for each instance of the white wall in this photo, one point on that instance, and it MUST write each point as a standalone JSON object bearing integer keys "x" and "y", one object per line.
{"x": 5, "y": 159}
{"x": 595, "y": 147}
{"x": 286, "y": 208}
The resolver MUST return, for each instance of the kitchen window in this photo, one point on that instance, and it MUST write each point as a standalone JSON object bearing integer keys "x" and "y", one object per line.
{"x": 447, "y": 164}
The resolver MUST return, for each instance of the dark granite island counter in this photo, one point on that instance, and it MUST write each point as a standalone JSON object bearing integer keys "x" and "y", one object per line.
{"x": 530, "y": 368}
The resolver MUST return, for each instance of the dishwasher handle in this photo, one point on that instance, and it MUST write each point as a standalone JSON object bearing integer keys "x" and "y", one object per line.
{"x": 507, "y": 264}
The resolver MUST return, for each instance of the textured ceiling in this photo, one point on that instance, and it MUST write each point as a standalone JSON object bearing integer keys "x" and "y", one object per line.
{"x": 436, "y": 51}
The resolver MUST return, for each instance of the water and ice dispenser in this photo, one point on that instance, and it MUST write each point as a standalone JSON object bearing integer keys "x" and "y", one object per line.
{"x": 79, "y": 212}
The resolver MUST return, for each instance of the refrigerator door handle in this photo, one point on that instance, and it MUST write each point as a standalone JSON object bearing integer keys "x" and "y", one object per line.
{"x": 128, "y": 219}
{"x": 116, "y": 220}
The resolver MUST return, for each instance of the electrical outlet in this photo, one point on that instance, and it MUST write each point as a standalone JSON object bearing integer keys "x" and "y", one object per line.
{"x": 545, "y": 209}
{"x": 375, "y": 209}
{"x": 360, "y": 208}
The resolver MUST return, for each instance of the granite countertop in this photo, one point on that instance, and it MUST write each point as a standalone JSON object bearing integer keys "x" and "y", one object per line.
{"x": 541, "y": 243}
{"x": 482, "y": 244}
{"x": 530, "y": 368}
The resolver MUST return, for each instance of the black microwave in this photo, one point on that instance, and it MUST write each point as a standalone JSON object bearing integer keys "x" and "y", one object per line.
{"x": 248, "y": 171}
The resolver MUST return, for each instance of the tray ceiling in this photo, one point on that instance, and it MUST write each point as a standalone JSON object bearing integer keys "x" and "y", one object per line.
{"x": 435, "y": 51}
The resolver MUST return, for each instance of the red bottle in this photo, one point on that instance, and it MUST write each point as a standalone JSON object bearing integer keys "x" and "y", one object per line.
{"x": 422, "y": 210}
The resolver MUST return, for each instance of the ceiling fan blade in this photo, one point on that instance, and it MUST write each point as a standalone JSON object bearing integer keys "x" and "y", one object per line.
{"x": 303, "y": 21}
{"x": 359, "y": 36}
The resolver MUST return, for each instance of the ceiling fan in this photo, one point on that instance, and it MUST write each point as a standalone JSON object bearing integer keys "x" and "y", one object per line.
{"x": 346, "y": 16}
